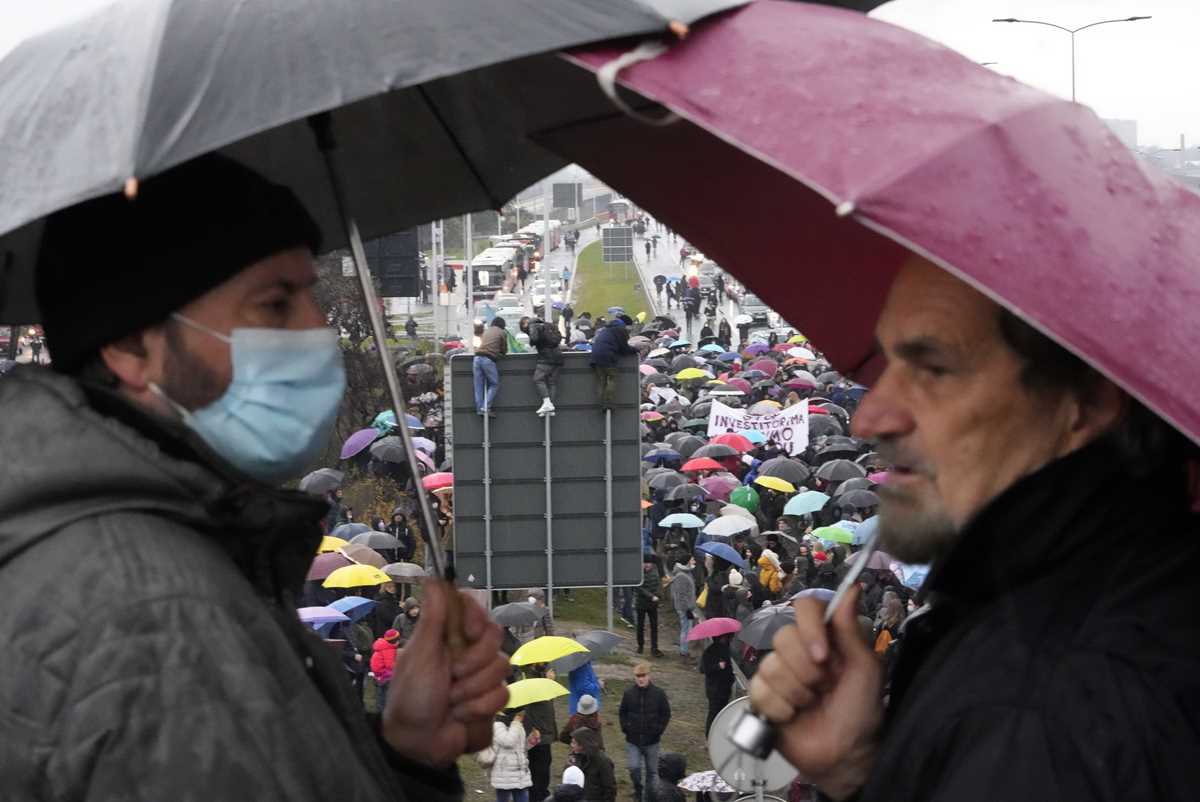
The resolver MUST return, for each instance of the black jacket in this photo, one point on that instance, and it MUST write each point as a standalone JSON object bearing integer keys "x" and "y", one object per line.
{"x": 1045, "y": 669}
{"x": 645, "y": 713}
{"x": 717, "y": 680}
{"x": 599, "y": 778}
{"x": 609, "y": 344}
{"x": 546, "y": 353}
{"x": 408, "y": 541}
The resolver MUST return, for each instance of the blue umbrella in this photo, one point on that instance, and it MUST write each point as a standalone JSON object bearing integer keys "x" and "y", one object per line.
{"x": 822, "y": 594}
{"x": 353, "y": 607}
{"x": 663, "y": 458}
{"x": 913, "y": 576}
{"x": 724, "y": 551}
{"x": 754, "y": 436}
{"x": 679, "y": 344}
{"x": 684, "y": 519}
{"x": 347, "y": 531}
{"x": 387, "y": 420}
{"x": 316, "y": 616}
{"x": 583, "y": 346}
{"x": 806, "y": 503}
{"x": 729, "y": 356}
{"x": 713, "y": 348}
{"x": 865, "y": 531}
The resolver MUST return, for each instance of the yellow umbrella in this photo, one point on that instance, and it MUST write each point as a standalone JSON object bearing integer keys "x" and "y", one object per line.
{"x": 641, "y": 317}
{"x": 775, "y": 483}
{"x": 330, "y": 543}
{"x": 769, "y": 402}
{"x": 356, "y": 576}
{"x": 799, "y": 339}
{"x": 687, "y": 374}
{"x": 528, "y": 691}
{"x": 545, "y": 649}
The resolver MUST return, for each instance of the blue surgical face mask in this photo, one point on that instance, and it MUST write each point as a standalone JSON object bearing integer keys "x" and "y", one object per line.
{"x": 278, "y": 411}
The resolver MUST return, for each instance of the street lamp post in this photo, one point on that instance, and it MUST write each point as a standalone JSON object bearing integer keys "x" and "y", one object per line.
{"x": 1071, "y": 31}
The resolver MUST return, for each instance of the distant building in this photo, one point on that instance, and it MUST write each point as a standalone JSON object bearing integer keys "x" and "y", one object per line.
{"x": 1126, "y": 131}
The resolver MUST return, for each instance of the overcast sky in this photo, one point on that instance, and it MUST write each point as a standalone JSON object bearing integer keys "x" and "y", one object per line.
{"x": 1145, "y": 71}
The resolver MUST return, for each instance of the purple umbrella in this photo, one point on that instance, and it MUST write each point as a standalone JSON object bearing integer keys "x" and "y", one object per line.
{"x": 719, "y": 487}
{"x": 326, "y": 564}
{"x": 316, "y": 616}
{"x": 358, "y": 442}
{"x": 754, "y": 349}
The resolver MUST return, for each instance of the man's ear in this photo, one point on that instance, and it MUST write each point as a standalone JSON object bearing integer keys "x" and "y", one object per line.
{"x": 130, "y": 359}
{"x": 1096, "y": 413}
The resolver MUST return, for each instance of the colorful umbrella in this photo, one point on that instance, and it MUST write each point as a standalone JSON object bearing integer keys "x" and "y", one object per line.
{"x": 436, "y": 481}
{"x": 775, "y": 483}
{"x": 691, "y": 374}
{"x": 652, "y": 416}
{"x": 722, "y": 550}
{"x": 356, "y": 576}
{"x": 753, "y": 435}
{"x": 386, "y": 420}
{"x": 424, "y": 444}
{"x": 702, "y": 464}
{"x": 713, "y": 627}
{"x": 330, "y": 543}
{"x": 834, "y": 534}
{"x": 718, "y": 487}
{"x": 734, "y": 440}
{"x": 316, "y": 616}
{"x": 741, "y": 385}
{"x": 529, "y": 691}
{"x": 363, "y": 555}
{"x": 545, "y": 649}
{"x": 746, "y": 498}
{"x": 353, "y": 607}
{"x": 806, "y": 503}
{"x": 357, "y": 443}
{"x": 324, "y": 565}
{"x": 728, "y": 526}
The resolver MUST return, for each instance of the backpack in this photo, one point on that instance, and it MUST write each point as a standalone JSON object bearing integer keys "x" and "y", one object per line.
{"x": 547, "y": 336}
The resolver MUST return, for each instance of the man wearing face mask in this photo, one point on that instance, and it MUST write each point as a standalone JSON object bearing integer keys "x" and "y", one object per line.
{"x": 193, "y": 373}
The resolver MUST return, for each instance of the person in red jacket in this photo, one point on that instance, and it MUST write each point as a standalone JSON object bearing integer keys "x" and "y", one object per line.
{"x": 383, "y": 660}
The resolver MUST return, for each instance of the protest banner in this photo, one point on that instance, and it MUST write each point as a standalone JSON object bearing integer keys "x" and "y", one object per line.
{"x": 788, "y": 427}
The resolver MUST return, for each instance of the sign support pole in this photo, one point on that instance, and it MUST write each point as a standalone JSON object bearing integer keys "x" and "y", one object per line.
{"x": 549, "y": 523}
{"x": 487, "y": 502}
{"x": 608, "y": 513}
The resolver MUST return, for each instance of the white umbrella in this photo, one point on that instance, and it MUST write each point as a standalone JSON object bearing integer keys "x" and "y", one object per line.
{"x": 743, "y": 320}
{"x": 728, "y": 525}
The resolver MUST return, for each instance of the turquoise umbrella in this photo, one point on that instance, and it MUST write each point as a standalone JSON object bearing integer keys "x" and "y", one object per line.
{"x": 806, "y": 503}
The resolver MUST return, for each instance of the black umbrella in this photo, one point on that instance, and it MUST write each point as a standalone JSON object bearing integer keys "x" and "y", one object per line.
{"x": 759, "y": 630}
{"x": 516, "y": 614}
{"x": 786, "y": 469}
{"x": 829, "y": 377}
{"x": 715, "y": 451}
{"x": 873, "y": 461}
{"x": 685, "y": 493}
{"x": 695, "y": 424}
{"x": 658, "y": 362}
{"x": 701, "y": 408}
{"x": 839, "y": 470}
{"x": 672, "y": 439}
{"x": 656, "y": 378}
{"x": 855, "y": 483}
{"x": 706, "y": 341}
{"x": 380, "y": 541}
{"x": 321, "y": 481}
{"x": 682, "y": 362}
{"x": 662, "y": 323}
{"x": 859, "y": 499}
{"x": 689, "y": 445}
{"x": 388, "y": 449}
{"x": 831, "y": 451}
{"x": 820, "y": 425}
{"x": 667, "y": 480}
{"x": 597, "y": 641}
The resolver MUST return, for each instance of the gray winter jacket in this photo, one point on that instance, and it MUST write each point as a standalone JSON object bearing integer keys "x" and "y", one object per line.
{"x": 152, "y": 649}
{"x": 683, "y": 589}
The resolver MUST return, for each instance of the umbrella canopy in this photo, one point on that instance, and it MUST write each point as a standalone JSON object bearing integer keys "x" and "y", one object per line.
{"x": 516, "y": 614}
{"x": 529, "y": 691}
{"x": 859, "y": 499}
{"x": 806, "y": 503}
{"x": 316, "y": 616}
{"x": 330, "y": 543}
{"x": 646, "y": 369}
{"x": 689, "y": 374}
{"x": 376, "y": 540}
{"x": 666, "y": 480}
{"x": 745, "y": 498}
{"x": 775, "y": 483}
{"x": 424, "y": 444}
{"x": 713, "y": 627}
{"x": 719, "y": 487}
{"x": 685, "y": 493}
{"x": 759, "y": 630}
{"x": 855, "y": 483}
{"x": 353, "y": 607}
{"x": 358, "y": 442}
{"x": 823, "y": 425}
{"x": 322, "y": 481}
{"x": 716, "y": 451}
{"x": 835, "y": 534}
{"x": 1114, "y": 235}
{"x": 436, "y": 481}
{"x": 839, "y": 470}
{"x": 785, "y": 468}
{"x": 702, "y": 464}
{"x": 545, "y": 649}
{"x": 674, "y": 438}
{"x": 651, "y": 416}
{"x": 356, "y": 576}
{"x": 663, "y": 457}
{"x": 726, "y": 526}
{"x": 684, "y": 519}
{"x": 735, "y": 441}
{"x": 723, "y": 550}
{"x": 324, "y": 565}
{"x": 741, "y": 385}
{"x": 404, "y": 572}
{"x": 767, "y": 407}
{"x": 386, "y": 421}
{"x": 363, "y": 555}
{"x": 768, "y": 367}
{"x": 878, "y": 561}
{"x": 597, "y": 642}
{"x": 347, "y": 531}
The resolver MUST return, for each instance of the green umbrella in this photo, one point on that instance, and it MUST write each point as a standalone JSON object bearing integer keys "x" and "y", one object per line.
{"x": 745, "y": 497}
{"x": 835, "y": 534}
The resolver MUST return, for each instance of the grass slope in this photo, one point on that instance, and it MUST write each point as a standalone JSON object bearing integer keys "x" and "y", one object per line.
{"x": 602, "y": 286}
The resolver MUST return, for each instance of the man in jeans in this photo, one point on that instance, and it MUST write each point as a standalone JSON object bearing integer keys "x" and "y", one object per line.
{"x": 492, "y": 345}
{"x": 610, "y": 343}
{"x": 645, "y": 713}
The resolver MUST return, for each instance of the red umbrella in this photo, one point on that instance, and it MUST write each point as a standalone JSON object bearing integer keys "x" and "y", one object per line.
{"x": 767, "y": 366}
{"x": 734, "y": 440}
{"x": 702, "y": 464}
{"x": 326, "y": 564}
{"x": 1027, "y": 197}
{"x": 436, "y": 481}
{"x": 740, "y": 384}
{"x": 714, "y": 627}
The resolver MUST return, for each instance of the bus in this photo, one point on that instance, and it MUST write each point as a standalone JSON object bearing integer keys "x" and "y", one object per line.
{"x": 490, "y": 269}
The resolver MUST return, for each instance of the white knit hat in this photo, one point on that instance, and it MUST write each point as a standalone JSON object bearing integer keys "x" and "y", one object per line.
{"x": 735, "y": 578}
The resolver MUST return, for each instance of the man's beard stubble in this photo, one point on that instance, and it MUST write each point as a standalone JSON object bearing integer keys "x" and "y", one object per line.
{"x": 911, "y": 532}
{"x": 187, "y": 380}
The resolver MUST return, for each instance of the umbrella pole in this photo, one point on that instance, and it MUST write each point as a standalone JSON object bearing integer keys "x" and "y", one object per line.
{"x": 322, "y": 127}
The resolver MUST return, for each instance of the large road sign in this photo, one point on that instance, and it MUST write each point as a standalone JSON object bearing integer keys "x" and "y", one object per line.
{"x": 509, "y": 509}
{"x": 617, "y": 244}
{"x": 396, "y": 260}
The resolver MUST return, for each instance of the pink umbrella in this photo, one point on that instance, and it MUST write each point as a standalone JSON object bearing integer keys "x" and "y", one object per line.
{"x": 1025, "y": 196}
{"x": 436, "y": 481}
{"x": 646, "y": 370}
{"x": 326, "y": 564}
{"x": 878, "y": 478}
{"x": 719, "y": 487}
{"x": 767, "y": 366}
{"x": 714, "y": 627}
{"x": 740, "y": 384}
{"x": 358, "y": 442}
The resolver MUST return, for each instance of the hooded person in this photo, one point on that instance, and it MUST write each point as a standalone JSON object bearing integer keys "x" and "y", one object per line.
{"x": 599, "y": 776}
{"x": 383, "y": 663}
{"x": 195, "y": 372}
{"x": 683, "y": 599}
{"x": 410, "y": 614}
{"x": 672, "y": 768}
{"x": 770, "y": 572}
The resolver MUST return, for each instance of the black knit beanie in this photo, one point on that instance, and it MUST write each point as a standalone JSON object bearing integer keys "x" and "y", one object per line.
{"x": 112, "y": 266}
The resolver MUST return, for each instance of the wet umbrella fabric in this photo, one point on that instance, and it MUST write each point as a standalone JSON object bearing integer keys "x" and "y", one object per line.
{"x": 840, "y": 470}
{"x": 688, "y": 446}
{"x": 389, "y": 449}
{"x": 722, "y": 550}
{"x": 859, "y": 499}
{"x": 516, "y": 614}
{"x": 787, "y": 469}
{"x": 726, "y": 526}
{"x": 322, "y": 481}
{"x": 348, "y": 531}
{"x": 1114, "y": 235}
{"x": 358, "y": 442}
{"x": 363, "y": 555}
{"x": 405, "y": 572}
{"x": 855, "y": 483}
{"x": 376, "y": 540}
{"x": 325, "y": 564}
{"x": 685, "y": 493}
{"x": 353, "y": 607}
{"x": 716, "y": 451}
{"x": 684, "y": 519}
{"x": 316, "y": 616}
{"x": 759, "y": 630}
{"x": 719, "y": 487}
{"x": 806, "y": 503}
{"x": 664, "y": 481}
{"x": 597, "y": 641}
{"x": 713, "y": 627}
